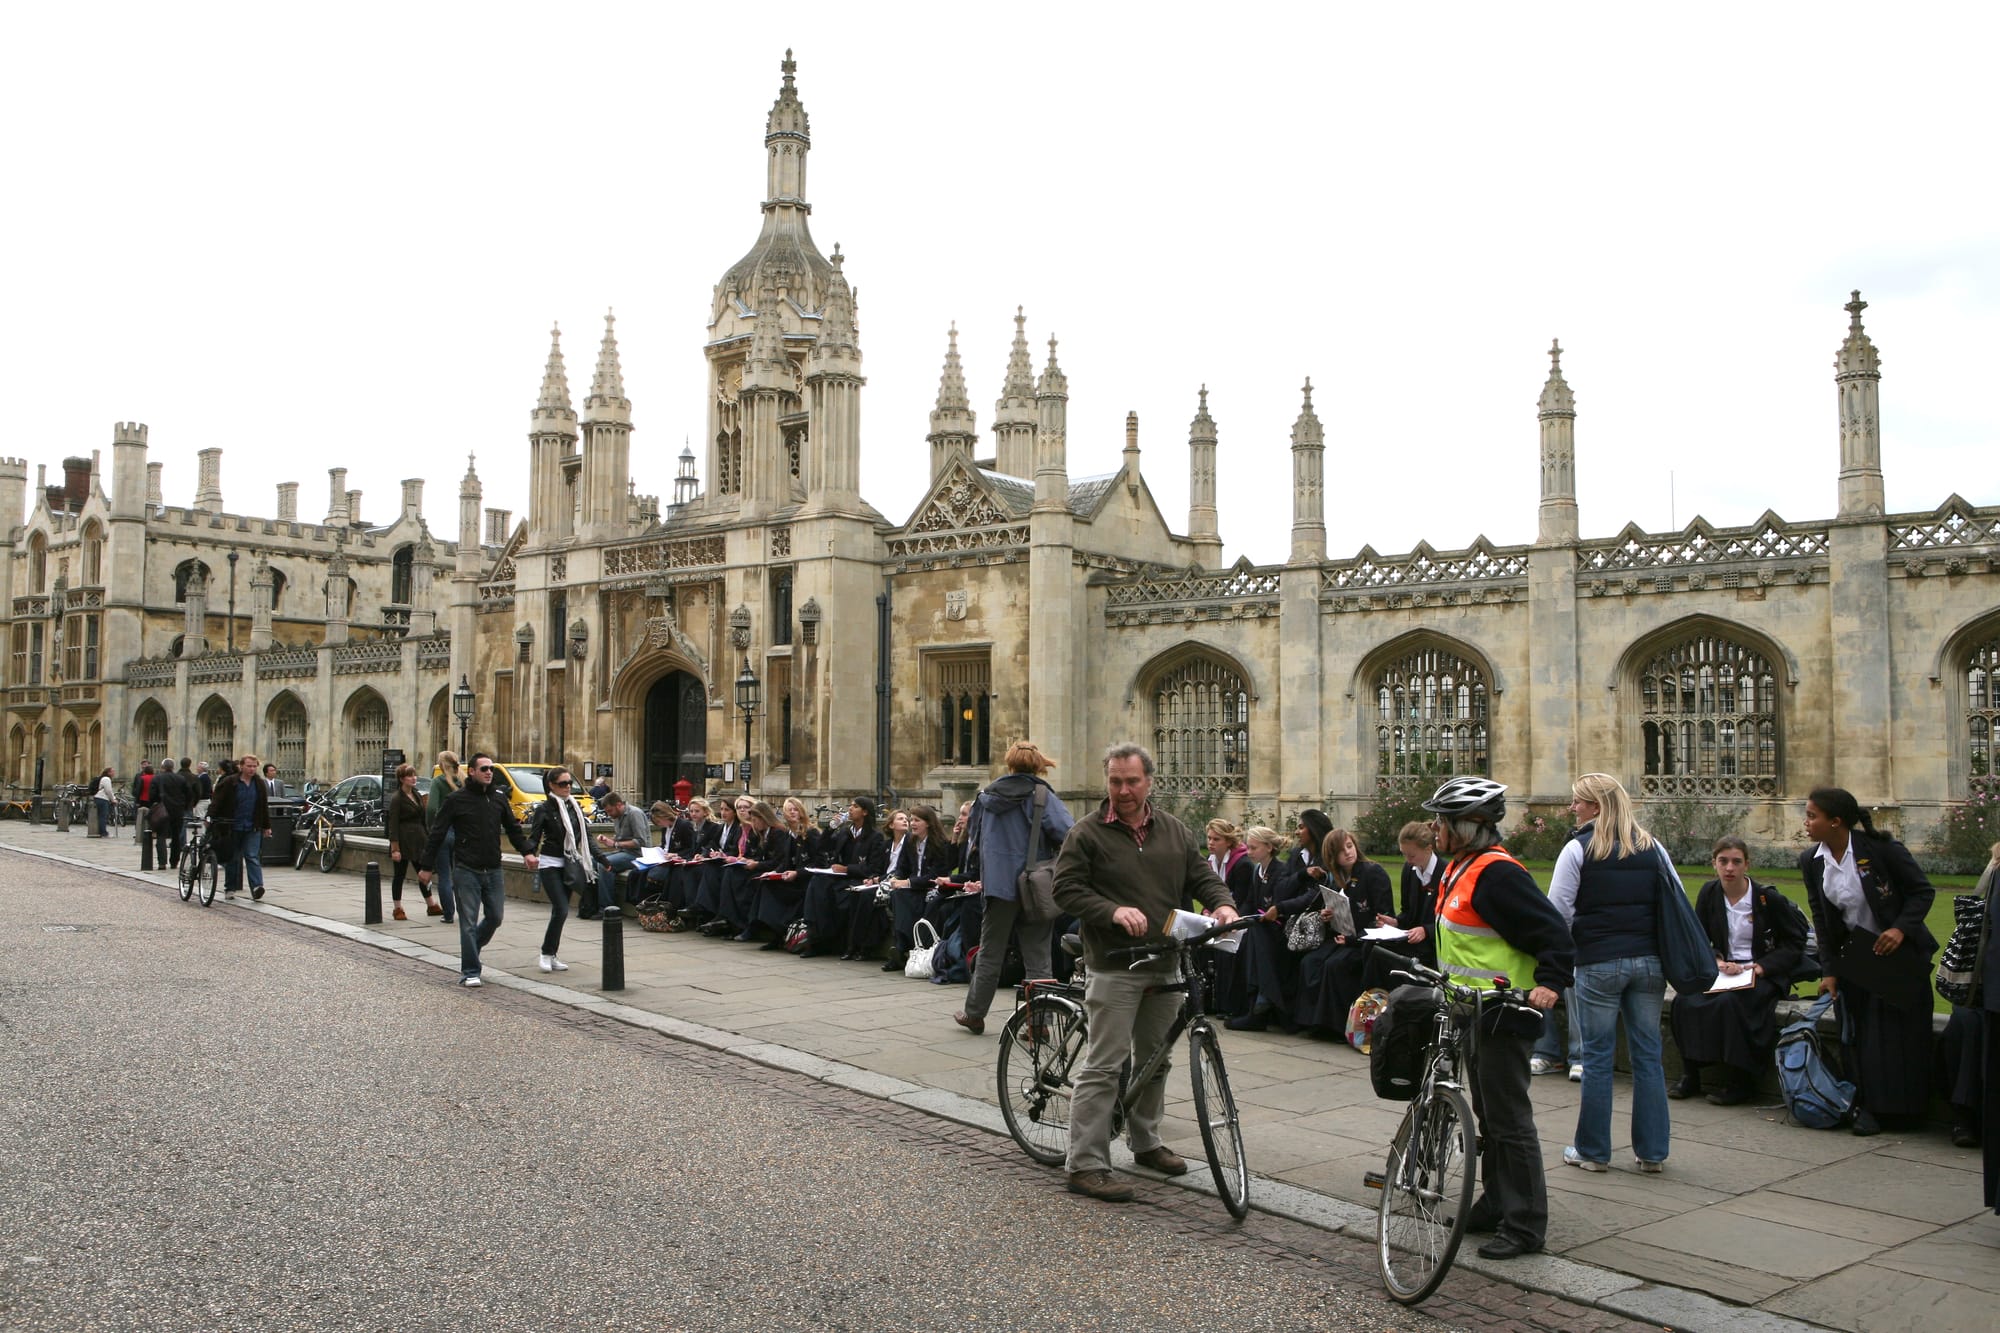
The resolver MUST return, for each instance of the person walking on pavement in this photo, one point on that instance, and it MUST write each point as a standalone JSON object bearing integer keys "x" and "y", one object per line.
{"x": 176, "y": 794}
{"x": 143, "y": 788}
{"x": 203, "y": 779}
{"x": 241, "y": 813}
{"x": 105, "y": 794}
{"x": 406, "y": 820}
{"x": 560, "y": 838}
{"x": 1001, "y": 832}
{"x": 1123, "y": 872}
{"x": 1493, "y": 922}
{"x": 450, "y": 777}
{"x": 475, "y": 816}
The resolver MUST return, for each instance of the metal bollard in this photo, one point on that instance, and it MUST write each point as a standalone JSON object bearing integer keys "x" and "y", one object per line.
{"x": 614, "y": 949}
{"x": 371, "y": 895}
{"x": 146, "y": 849}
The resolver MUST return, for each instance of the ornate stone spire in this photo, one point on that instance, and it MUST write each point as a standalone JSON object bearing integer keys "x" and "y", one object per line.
{"x": 607, "y": 386}
{"x": 1015, "y": 413}
{"x": 1557, "y": 412}
{"x": 953, "y": 426}
{"x": 1202, "y": 523}
{"x": 788, "y": 130}
{"x": 952, "y": 395}
{"x": 1308, "y": 483}
{"x": 1053, "y": 382}
{"x": 1857, "y": 378}
{"x": 836, "y": 332}
{"x": 767, "y": 342}
{"x": 1020, "y": 370}
{"x": 1051, "y": 437}
{"x": 554, "y": 401}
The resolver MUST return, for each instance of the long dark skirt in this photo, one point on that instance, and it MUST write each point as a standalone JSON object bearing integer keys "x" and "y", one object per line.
{"x": 1888, "y": 1053}
{"x": 1738, "y": 1028}
{"x": 1265, "y": 977}
{"x": 708, "y": 888}
{"x": 737, "y": 895}
{"x": 683, "y": 885}
{"x": 1961, "y": 1062}
{"x": 868, "y": 926}
{"x": 830, "y": 903}
{"x": 779, "y": 903}
{"x": 906, "y": 908}
{"x": 1329, "y": 983}
{"x": 1989, "y": 1128}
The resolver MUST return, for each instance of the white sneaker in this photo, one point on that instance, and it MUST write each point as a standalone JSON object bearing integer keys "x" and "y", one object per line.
{"x": 1541, "y": 1064}
{"x": 556, "y": 964}
{"x": 1576, "y": 1073}
{"x": 547, "y": 961}
{"x": 1572, "y": 1158}
{"x": 472, "y": 982}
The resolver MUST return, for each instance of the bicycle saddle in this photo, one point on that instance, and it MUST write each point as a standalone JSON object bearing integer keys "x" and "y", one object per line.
{"x": 1072, "y": 944}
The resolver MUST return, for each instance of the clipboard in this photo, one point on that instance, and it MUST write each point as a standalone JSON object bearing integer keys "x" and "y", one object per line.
{"x": 1902, "y": 979}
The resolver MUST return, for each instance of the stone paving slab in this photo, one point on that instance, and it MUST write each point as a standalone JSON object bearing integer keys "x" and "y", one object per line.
{"x": 1647, "y": 1243}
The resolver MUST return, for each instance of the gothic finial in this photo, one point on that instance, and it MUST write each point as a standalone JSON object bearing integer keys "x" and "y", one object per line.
{"x": 1854, "y": 309}
{"x": 790, "y": 67}
{"x": 951, "y": 384}
{"x": 1020, "y": 369}
{"x": 1053, "y": 381}
{"x": 1857, "y": 352}
{"x": 555, "y": 381}
{"x": 1204, "y": 398}
{"x": 608, "y": 384}
{"x": 1555, "y": 355}
{"x": 1309, "y": 393}
{"x": 1556, "y": 399}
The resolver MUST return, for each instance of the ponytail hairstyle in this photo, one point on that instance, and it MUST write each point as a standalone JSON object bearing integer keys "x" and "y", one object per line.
{"x": 1616, "y": 831}
{"x": 1839, "y": 803}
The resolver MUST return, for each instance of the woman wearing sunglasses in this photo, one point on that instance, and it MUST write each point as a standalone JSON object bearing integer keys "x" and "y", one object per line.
{"x": 561, "y": 837}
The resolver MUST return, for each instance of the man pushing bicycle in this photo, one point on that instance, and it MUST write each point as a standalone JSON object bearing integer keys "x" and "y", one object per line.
{"x": 1494, "y": 922}
{"x": 1123, "y": 872}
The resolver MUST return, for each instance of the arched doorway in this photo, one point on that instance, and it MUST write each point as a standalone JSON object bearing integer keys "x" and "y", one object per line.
{"x": 676, "y": 734}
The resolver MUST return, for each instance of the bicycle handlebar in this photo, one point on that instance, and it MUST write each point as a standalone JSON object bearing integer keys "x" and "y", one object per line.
{"x": 1155, "y": 948}
{"x": 1510, "y": 998}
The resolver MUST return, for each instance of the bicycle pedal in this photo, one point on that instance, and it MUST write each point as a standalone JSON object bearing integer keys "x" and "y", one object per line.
{"x": 1374, "y": 1180}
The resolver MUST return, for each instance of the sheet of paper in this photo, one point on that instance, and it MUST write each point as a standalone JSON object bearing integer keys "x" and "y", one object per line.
{"x": 822, "y": 870}
{"x": 1743, "y": 980}
{"x": 1385, "y": 933}
{"x": 652, "y": 856}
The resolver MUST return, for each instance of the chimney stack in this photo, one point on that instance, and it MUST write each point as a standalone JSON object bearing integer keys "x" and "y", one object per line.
{"x": 499, "y": 526}
{"x": 208, "y": 493}
{"x": 288, "y": 502}
{"x": 154, "y": 495}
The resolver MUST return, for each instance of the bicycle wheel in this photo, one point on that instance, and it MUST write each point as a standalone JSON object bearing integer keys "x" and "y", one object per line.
{"x": 329, "y": 854}
{"x": 1426, "y": 1195}
{"x": 302, "y": 841}
{"x": 208, "y": 875}
{"x": 1040, "y": 1048}
{"x": 185, "y": 876}
{"x": 1215, "y": 1112}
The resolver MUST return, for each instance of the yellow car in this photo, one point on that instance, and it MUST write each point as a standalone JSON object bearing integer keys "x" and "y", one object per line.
{"x": 526, "y": 786}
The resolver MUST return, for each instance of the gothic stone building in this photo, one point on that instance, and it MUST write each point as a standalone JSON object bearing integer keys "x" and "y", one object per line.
{"x": 1741, "y": 664}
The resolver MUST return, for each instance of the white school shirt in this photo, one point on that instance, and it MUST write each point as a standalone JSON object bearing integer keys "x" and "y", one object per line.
{"x": 1738, "y": 920}
{"x": 1840, "y": 881}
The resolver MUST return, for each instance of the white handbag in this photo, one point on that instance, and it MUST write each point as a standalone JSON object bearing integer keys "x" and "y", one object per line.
{"x": 918, "y": 966}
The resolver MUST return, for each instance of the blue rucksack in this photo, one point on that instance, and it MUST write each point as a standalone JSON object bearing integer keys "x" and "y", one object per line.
{"x": 948, "y": 962}
{"x": 1814, "y": 1095}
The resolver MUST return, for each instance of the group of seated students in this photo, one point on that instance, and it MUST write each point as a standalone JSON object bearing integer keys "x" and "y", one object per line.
{"x": 1726, "y": 1038}
{"x": 743, "y": 870}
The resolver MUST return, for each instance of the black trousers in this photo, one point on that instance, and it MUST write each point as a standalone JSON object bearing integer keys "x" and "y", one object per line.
{"x": 1510, "y": 1157}
{"x": 830, "y": 904}
{"x": 167, "y": 848}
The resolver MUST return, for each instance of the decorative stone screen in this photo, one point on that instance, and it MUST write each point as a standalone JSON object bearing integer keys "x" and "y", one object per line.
{"x": 1431, "y": 715}
{"x": 1201, "y": 729}
{"x": 1982, "y": 708}
{"x": 218, "y": 734}
{"x": 152, "y": 722}
{"x": 959, "y": 687}
{"x": 1709, "y": 721}
{"x": 367, "y": 734}
{"x": 288, "y": 732}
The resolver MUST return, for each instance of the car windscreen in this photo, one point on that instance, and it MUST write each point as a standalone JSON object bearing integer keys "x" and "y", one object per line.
{"x": 527, "y": 780}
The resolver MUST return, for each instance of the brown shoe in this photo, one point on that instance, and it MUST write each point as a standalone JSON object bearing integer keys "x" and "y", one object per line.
{"x": 432, "y": 907}
{"x": 1100, "y": 1185}
{"x": 401, "y": 915}
{"x": 973, "y": 1025}
{"x": 1162, "y": 1159}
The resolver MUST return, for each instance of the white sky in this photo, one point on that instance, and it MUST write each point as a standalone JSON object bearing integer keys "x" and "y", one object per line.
{"x": 339, "y": 237}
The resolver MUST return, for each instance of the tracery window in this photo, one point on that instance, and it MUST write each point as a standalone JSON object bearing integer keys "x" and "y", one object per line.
{"x": 1708, "y": 720}
{"x": 1982, "y": 709}
{"x": 1201, "y": 729}
{"x": 1431, "y": 715}
{"x": 288, "y": 728}
{"x": 368, "y": 733}
{"x": 152, "y": 720}
{"x": 960, "y": 686}
{"x": 218, "y": 732}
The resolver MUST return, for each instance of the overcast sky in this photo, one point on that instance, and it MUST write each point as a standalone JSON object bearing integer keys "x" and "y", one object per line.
{"x": 338, "y": 235}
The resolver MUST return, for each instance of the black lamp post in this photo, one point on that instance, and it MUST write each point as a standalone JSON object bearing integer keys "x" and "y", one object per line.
{"x": 462, "y": 700}
{"x": 232, "y": 601}
{"x": 746, "y": 699}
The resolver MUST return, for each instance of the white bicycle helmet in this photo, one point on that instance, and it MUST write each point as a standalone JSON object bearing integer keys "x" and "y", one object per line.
{"x": 1469, "y": 798}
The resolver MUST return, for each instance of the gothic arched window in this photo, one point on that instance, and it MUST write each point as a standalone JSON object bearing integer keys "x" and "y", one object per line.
{"x": 1430, "y": 707}
{"x": 367, "y": 732}
{"x": 400, "y": 575}
{"x": 1708, "y": 720}
{"x": 1982, "y": 709}
{"x": 152, "y": 726}
{"x": 288, "y": 731}
{"x": 1201, "y": 729}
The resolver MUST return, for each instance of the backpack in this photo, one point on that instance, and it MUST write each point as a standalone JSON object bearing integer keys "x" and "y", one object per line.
{"x": 1815, "y": 1096}
{"x": 1401, "y": 1041}
{"x": 949, "y": 965}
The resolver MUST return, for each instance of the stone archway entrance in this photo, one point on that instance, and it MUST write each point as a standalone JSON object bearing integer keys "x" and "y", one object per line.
{"x": 676, "y": 744}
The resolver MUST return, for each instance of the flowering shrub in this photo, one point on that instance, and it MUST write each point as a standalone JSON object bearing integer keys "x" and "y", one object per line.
{"x": 1689, "y": 826}
{"x": 1963, "y": 842}
{"x": 1398, "y": 800}
{"x": 1539, "y": 837}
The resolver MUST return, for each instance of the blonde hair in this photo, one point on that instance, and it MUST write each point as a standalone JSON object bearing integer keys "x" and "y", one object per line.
{"x": 701, "y": 803}
{"x": 1222, "y": 828}
{"x": 1267, "y": 835}
{"x": 1617, "y": 832}
{"x": 794, "y": 803}
{"x": 1419, "y": 834}
{"x": 762, "y": 812}
{"x": 1027, "y": 757}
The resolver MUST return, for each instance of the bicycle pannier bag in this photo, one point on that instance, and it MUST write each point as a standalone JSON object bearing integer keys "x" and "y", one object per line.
{"x": 1036, "y": 884}
{"x": 1814, "y": 1096}
{"x": 1401, "y": 1041}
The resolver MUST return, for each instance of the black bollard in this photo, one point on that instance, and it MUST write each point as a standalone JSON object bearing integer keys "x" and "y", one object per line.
{"x": 371, "y": 895}
{"x": 146, "y": 846}
{"x": 614, "y": 949}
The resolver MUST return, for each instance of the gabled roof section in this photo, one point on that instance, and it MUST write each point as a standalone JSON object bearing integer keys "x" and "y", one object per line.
{"x": 967, "y": 497}
{"x": 502, "y": 570}
{"x": 1088, "y": 494}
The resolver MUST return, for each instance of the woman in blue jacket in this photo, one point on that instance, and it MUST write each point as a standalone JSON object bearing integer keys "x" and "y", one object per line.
{"x": 1002, "y": 834}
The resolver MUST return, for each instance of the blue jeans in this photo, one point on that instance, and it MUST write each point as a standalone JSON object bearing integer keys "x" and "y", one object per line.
{"x": 1632, "y": 989}
{"x": 607, "y": 877}
{"x": 441, "y": 876}
{"x": 247, "y": 850}
{"x": 481, "y": 893}
{"x": 103, "y": 816}
{"x": 1549, "y": 1046}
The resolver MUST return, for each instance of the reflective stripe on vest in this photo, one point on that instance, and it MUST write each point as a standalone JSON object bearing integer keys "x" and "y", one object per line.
{"x": 1467, "y": 946}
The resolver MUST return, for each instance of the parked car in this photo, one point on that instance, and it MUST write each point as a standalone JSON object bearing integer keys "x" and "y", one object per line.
{"x": 367, "y": 789}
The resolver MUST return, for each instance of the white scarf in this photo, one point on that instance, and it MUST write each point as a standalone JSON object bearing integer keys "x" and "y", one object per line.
{"x": 570, "y": 815}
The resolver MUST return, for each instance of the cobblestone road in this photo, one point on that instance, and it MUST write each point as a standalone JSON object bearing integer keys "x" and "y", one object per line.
{"x": 222, "y": 1121}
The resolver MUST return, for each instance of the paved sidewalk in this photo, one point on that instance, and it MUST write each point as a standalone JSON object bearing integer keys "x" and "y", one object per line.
{"x": 1817, "y": 1226}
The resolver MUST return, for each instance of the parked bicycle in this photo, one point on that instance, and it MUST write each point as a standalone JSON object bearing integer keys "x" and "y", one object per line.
{"x": 1427, "y": 1184}
{"x": 1042, "y": 1048}
{"x": 318, "y": 831}
{"x": 199, "y": 872}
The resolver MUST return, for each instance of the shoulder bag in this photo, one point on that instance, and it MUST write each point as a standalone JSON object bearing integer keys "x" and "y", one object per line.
{"x": 918, "y": 965}
{"x": 1036, "y": 884}
{"x": 1686, "y": 954}
{"x": 1958, "y": 965}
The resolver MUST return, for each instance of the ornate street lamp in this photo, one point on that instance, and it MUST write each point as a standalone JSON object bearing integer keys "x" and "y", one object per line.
{"x": 747, "y": 689}
{"x": 462, "y": 701}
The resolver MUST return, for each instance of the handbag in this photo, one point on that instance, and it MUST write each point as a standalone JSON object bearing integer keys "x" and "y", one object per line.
{"x": 918, "y": 965}
{"x": 575, "y": 876}
{"x": 1036, "y": 884}
{"x": 796, "y": 937}
{"x": 1687, "y": 956}
{"x": 157, "y": 816}
{"x": 1958, "y": 969}
{"x": 1308, "y": 932}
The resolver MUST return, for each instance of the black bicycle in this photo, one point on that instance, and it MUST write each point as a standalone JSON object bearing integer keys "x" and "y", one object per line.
{"x": 199, "y": 872}
{"x": 1427, "y": 1184}
{"x": 1042, "y": 1049}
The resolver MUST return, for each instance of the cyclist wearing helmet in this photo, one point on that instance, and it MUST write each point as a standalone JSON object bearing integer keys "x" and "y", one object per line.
{"x": 1494, "y": 922}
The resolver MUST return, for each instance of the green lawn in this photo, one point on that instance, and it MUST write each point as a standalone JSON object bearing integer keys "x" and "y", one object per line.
{"x": 1793, "y": 886}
